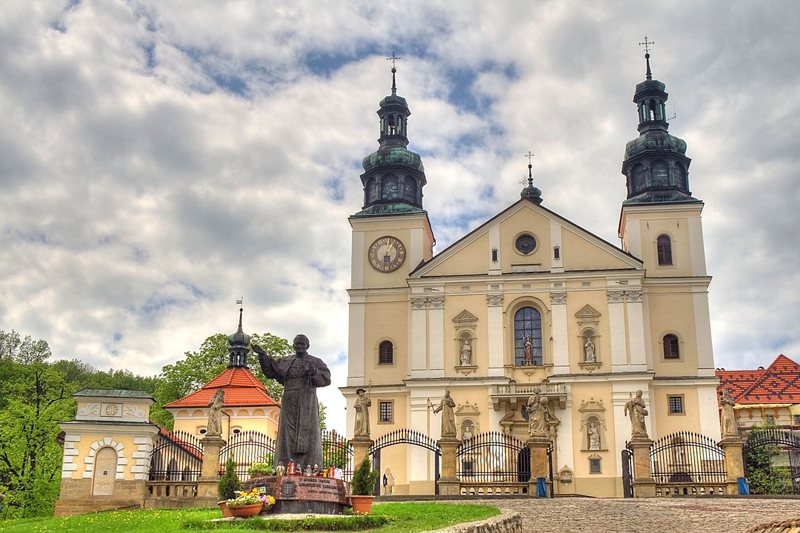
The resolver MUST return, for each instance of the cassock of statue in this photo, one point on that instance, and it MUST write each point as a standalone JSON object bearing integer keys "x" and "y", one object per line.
{"x": 299, "y": 434}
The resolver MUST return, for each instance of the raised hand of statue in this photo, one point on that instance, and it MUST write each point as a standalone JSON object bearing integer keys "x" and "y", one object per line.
{"x": 260, "y": 351}
{"x": 311, "y": 370}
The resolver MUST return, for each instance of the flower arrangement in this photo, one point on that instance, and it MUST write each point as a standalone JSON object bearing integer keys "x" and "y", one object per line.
{"x": 268, "y": 501}
{"x": 245, "y": 498}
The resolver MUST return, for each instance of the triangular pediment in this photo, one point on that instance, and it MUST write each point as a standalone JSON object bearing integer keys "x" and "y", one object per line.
{"x": 465, "y": 317}
{"x": 588, "y": 315}
{"x": 492, "y": 247}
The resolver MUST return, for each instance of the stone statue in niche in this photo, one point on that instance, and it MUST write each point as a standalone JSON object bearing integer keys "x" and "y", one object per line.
{"x": 466, "y": 353}
{"x": 730, "y": 426}
{"x": 594, "y": 436}
{"x": 637, "y": 410}
{"x": 588, "y": 349}
{"x": 528, "y": 351}
{"x": 214, "y": 426}
{"x": 466, "y": 432}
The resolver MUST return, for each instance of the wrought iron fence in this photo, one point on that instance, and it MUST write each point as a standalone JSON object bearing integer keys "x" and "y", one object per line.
{"x": 782, "y": 457}
{"x": 176, "y": 456}
{"x": 337, "y": 452}
{"x": 493, "y": 458}
{"x": 686, "y": 457}
{"x": 246, "y": 448}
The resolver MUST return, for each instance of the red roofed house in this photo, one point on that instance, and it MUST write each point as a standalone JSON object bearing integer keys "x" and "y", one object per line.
{"x": 248, "y": 405}
{"x": 765, "y": 395}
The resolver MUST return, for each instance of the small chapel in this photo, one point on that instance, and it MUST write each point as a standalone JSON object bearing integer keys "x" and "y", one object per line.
{"x": 529, "y": 303}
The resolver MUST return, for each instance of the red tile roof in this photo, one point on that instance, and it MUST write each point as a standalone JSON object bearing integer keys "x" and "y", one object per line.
{"x": 779, "y": 383}
{"x": 241, "y": 388}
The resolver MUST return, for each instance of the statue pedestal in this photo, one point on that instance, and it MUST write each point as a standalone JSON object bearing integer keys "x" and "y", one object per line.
{"x": 734, "y": 462}
{"x": 361, "y": 445}
{"x": 211, "y": 446}
{"x": 449, "y": 484}
{"x": 540, "y": 467}
{"x": 644, "y": 486}
{"x": 302, "y": 494}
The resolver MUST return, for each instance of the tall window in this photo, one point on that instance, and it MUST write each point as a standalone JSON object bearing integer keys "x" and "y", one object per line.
{"x": 676, "y": 405}
{"x": 385, "y": 353}
{"x": 527, "y": 337}
{"x": 664, "y": 248}
{"x": 671, "y": 349}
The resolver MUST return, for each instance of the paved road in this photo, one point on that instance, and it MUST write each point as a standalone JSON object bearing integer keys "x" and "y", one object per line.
{"x": 661, "y": 515}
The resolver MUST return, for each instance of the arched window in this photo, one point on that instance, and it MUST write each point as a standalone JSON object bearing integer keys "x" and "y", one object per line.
{"x": 410, "y": 190}
{"x": 671, "y": 347}
{"x": 659, "y": 174}
{"x": 527, "y": 337}
{"x": 639, "y": 181}
{"x": 390, "y": 191}
{"x": 664, "y": 249}
{"x": 372, "y": 191}
{"x": 386, "y": 353}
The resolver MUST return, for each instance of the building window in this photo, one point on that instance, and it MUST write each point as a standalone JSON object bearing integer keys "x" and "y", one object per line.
{"x": 676, "y": 405}
{"x": 664, "y": 249}
{"x": 594, "y": 466}
{"x": 386, "y": 353}
{"x": 527, "y": 337}
{"x": 770, "y": 419}
{"x": 671, "y": 348}
{"x": 797, "y": 420}
{"x": 386, "y": 412}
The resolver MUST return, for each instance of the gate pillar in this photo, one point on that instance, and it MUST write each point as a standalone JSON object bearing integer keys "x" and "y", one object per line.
{"x": 644, "y": 486}
{"x": 540, "y": 465}
{"x": 361, "y": 445}
{"x": 449, "y": 484}
{"x": 734, "y": 462}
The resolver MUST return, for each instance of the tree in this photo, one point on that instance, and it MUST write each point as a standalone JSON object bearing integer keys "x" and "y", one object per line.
{"x": 763, "y": 476}
{"x": 200, "y": 367}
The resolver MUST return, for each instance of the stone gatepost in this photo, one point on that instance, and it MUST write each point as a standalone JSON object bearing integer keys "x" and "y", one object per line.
{"x": 644, "y": 486}
{"x": 209, "y": 473}
{"x": 361, "y": 445}
{"x": 540, "y": 467}
{"x": 734, "y": 462}
{"x": 449, "y": 484}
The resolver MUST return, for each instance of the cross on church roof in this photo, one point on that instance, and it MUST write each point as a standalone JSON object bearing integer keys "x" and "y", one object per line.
{"x": 393, "y": 59}
{"x": 646, "y": 45}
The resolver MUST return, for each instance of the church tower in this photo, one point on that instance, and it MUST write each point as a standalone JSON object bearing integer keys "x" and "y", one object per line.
{"x": 392, "y": 236}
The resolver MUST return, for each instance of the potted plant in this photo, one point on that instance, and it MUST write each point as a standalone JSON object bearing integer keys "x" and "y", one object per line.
{"x": 362, "y": 487}
{"x": 228, "y": 486}
{"x": 246, "y": 504}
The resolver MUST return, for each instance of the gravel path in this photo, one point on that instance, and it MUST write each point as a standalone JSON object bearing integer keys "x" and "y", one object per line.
{"x": 660, "y": 515}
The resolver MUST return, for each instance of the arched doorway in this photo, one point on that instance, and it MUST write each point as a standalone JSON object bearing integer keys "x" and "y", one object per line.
{"x": 105, "y": 472}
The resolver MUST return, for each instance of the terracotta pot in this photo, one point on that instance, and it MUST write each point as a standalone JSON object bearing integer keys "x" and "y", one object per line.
{"x": 223, "y": 505}
{"x": 361, "y": 504}
{"x": 246, "y": 511}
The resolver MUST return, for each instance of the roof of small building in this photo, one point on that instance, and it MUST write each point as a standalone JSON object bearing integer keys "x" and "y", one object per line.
{"x": 241, "y": 388}
{"x": 778, "y": 383}
{"x": 113, "y": 393}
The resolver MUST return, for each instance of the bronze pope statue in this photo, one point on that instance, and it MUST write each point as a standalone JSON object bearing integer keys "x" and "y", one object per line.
{"x": 299, "y": 434}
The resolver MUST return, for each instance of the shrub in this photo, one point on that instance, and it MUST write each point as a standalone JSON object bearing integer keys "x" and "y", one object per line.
{"x": 229, "y": 482}
{"x": 364, "y": 478}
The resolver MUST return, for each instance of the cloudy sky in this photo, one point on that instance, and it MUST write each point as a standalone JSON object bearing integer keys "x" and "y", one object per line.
{"x": 159, "y": 160}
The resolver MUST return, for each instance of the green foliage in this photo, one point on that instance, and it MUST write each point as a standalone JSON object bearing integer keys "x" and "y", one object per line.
{"x": 763, "y": 475}
{"x": 309, "y": 523}
{"x": 364, "y": 478}
{"x": 200, "y": 367}
{"x": 229, "y": 482}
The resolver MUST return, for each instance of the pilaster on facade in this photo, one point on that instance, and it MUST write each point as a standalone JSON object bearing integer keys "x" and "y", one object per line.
{"x": 558, "y": 305}
{"x": 494, "y": 304}
{"x": 622, "y": 392}
{"x": 355, "y": 342}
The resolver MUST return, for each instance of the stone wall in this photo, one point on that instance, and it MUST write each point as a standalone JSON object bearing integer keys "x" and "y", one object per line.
{"x": 505, "y": 522}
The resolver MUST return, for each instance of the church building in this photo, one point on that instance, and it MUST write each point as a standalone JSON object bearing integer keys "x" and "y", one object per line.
{"x": 529, "y": 300}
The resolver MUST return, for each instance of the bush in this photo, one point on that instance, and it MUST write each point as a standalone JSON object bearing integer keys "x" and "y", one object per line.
{"x": 364, "y": 479}
{"x": 229, "y": 482}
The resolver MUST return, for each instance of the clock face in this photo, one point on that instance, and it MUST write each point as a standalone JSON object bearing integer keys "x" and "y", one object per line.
{"x": 387, "y": 254}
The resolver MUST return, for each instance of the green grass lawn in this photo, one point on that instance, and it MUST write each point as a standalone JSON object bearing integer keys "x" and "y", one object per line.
{"x": 405, "y": 517}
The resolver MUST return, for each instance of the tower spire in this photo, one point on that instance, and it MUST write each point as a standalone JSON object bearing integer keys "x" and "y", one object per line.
{"x": 646, "y": 44}
{"x": 238, "y": 343}
{"x": 530, "y": 192}
{"x": 393, "y": 58}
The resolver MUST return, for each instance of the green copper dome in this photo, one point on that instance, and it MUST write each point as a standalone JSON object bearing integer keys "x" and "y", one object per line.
{"x": 655, "y": 140}
{"x": 393, "y": 155}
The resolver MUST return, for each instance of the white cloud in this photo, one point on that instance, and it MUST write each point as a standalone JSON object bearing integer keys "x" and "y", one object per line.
{"x": 159, "y": 160}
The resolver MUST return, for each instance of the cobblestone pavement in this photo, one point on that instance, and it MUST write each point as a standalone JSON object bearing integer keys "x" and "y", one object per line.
{"x": 651, "y": 515}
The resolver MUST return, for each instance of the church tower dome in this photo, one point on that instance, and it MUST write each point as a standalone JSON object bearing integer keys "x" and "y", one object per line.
{"x": 393, "y": 175}
{"x": 655, "y": 164}
{"x": 238, "y": 346}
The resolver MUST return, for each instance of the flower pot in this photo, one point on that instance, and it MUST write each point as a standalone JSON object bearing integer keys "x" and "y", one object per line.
{"x": 223, "y": 505}
{"x": 246, "y": 511}
{"x": 361, "y": 504}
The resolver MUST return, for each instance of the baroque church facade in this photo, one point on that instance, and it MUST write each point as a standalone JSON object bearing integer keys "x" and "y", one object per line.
{"x": 531, "y": 300}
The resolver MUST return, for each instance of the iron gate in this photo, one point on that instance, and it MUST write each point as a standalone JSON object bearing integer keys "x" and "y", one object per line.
{"x": 782, "y": 458}
{"x": 176, "y": 456}
{"x": 246, "y": 448}
{"x": 494, "y": 458}
{"x": 404, "y": 436}
{"x": 627, "y": 472}
{"x": 686, "y": 457}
